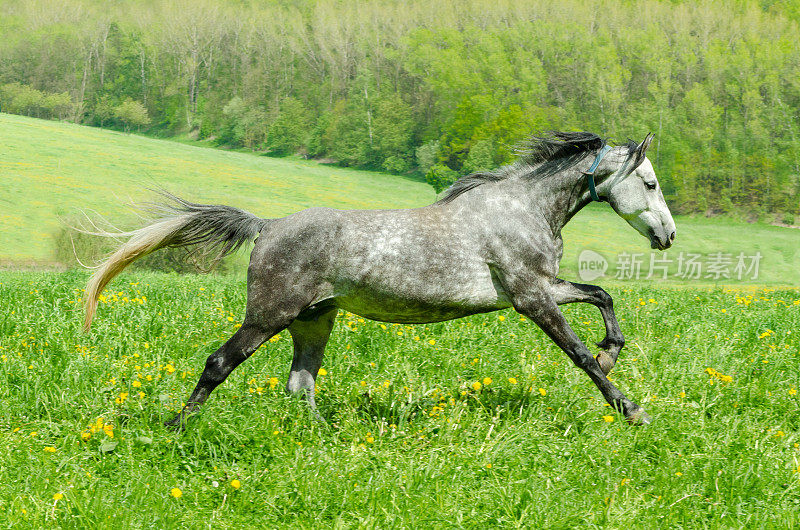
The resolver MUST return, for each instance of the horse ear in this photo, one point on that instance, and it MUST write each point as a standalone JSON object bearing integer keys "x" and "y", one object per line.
{"x": 646, "y": 143}
{"x": 641, "y": 149}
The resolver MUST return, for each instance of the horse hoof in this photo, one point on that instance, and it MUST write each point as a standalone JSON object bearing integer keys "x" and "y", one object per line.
{"x": 605, "y": 361}
{"x": 177, "y": 423}
{"x": 639, "y": 417}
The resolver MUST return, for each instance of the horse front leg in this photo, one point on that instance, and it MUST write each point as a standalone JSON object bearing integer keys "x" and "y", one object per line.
{"x": 539, "y": 304}
{"x": 565, "y": 292}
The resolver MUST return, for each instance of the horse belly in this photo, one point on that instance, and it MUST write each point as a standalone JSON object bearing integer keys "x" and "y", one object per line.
{"x": 418, "y": 301}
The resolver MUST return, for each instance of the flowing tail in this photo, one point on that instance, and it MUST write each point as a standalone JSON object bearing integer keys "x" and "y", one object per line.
{"x": 219, "y": 230}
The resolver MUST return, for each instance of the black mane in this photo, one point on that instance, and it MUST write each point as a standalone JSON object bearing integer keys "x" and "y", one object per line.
{"x": 539, "y": 156}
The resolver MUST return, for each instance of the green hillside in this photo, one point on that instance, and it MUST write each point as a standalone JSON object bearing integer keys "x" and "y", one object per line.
{"x": 50, "y": 168}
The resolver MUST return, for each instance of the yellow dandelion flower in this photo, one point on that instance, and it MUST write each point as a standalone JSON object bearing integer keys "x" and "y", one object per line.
{"x": 175, "y": 492}
{"x": 323, "y": 371}
{"x": 678, "y": 474}
{"x": 487, "y": 381}
{"x": 85, "y": 435}
{"x": 273, "y": 382}
{"x": 58, "y": 496}
{"x": 49, "y": 449}
{"x": 169, "y": 368}
{"x": 792, "y": 391}
{"x": 608, "y": 419}
{"x": 235, "y": 484}
{"x": 432, "y": 342}
{"x": 501, "y": 318}
{"x": 542, "y": 391}
{"x": 109, "y": 430}
{"x": 512, "y": 380}
{"x": 370, "y": 440}
{"x": 136, "y": 384}
{"x": 476, "y": 386}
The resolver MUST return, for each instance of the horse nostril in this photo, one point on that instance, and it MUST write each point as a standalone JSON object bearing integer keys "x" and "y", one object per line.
{"x": 672, "y": 236}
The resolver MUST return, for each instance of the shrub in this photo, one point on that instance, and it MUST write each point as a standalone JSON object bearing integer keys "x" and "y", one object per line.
{"x": 396, "y": 164}
{"x": 441, "y": 177}
{"x": 132, "y": 114}
{"x": 428, "y": 155}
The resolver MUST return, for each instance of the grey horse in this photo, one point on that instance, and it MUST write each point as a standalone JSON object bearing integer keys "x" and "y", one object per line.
{"x": 493, "y": 241}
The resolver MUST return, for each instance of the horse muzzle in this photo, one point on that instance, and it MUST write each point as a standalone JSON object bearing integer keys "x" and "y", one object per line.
{"x": 661, "y": 242}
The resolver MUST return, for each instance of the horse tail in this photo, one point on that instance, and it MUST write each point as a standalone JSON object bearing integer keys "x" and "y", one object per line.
{"x": 217, "y": 231}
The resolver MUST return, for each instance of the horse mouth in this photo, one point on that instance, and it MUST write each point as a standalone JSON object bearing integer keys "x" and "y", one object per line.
{"x": 656, "y": 243}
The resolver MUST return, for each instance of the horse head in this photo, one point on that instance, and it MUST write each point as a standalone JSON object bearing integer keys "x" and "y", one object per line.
{"x": 631, "y": 188}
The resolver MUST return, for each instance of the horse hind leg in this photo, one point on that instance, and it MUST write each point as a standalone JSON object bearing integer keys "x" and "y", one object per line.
{"x": 222, "y": 362}
{"x": 310, "y": 332}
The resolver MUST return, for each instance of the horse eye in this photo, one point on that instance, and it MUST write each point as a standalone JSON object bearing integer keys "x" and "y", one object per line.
{"x": 650, "y": 185}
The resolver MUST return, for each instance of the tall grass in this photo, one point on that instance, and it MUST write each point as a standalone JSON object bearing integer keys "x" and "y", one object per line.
{"x": 412, "y": 438}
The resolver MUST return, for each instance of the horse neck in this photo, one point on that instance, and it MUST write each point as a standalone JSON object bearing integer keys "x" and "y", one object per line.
{"x": 559, "y": 197}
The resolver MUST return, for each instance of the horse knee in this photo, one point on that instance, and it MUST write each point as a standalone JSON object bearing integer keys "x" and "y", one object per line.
{"x": 603, "y": 298}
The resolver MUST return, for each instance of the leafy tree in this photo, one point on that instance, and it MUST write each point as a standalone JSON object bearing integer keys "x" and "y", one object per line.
{"x": 441, "y": 177}
{"x": 103, "y": 111}
{"x": 393, "y": 129}
{"x": 131, "y": 114}
{"x": 288, "y": 133}
{"x": 232, "y": 130}
{"x": 427, "y": 155}
{"x": 480, "y": 157}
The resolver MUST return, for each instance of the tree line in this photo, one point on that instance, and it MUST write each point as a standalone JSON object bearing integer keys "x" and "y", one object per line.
{"x": 441, "y": 88}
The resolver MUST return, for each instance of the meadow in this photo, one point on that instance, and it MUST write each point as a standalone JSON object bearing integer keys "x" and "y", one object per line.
{"x": 53, "y": 169}
{"x": 471, "y": 423}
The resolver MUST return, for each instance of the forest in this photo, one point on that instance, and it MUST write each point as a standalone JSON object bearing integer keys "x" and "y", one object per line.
{"x": 437, "y": 89}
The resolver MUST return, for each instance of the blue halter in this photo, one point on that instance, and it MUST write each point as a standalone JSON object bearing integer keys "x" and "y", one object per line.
{"x": 590, "y": 174}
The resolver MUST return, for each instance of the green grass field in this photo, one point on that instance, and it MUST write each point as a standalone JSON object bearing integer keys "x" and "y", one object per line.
{"x": 480, "y": 422}
{"x": 50, "y": 168}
